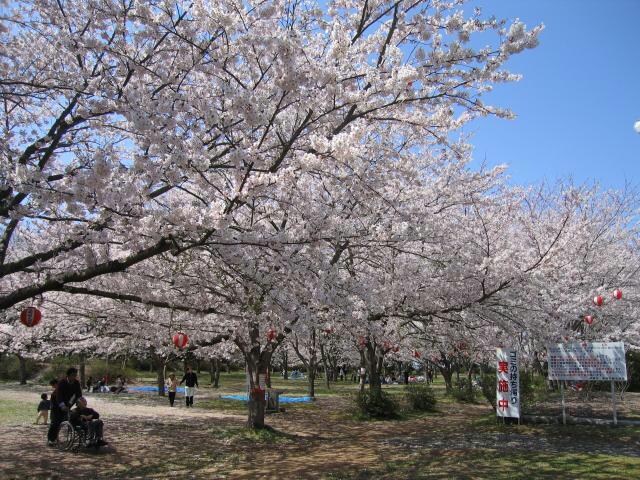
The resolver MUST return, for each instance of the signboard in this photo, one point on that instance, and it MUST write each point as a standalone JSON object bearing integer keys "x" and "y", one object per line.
{"x": 587, "y": 361}
{"x": 508, "y": 383}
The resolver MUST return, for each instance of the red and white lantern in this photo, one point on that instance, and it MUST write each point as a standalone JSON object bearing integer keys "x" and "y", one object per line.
{"x": 30, "y": 316}
{"x": 180, "y": 340}
{"x": 417, "y": 354}
{"x": 328, "y": 330}
{"x": 617, "y": 294}
{"x": 597, "y": 300}
{"x": 361, "y": 342}
{"x": 271, "y": 334}
{"x": 588, "y": 319}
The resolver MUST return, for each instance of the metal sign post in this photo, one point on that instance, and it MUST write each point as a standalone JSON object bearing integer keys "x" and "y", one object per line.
{"x": 613, "y": 402}
{"x": 564, "y": 413}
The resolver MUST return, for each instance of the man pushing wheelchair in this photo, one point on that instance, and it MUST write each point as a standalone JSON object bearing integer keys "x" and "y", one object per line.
{"x": 67, "y": 393}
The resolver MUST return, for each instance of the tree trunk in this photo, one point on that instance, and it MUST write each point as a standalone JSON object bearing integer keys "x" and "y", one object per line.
{"x": 159, "y": 364}
{"x": 362, "y": 371}
{"x": 326, "y": 367}
{"x": 215, "y": 373}
{"x": 372, "y": 363}
{"x": 22, "y": 366}
{"x": 83, "y": 377}
{"x": 285, "y": 365}
{"x": 257, "y": 402}
{"x": 447, "y": 374}
{"x": 311, "y": 363}
{"x": 257, "y": 364}
{"x": 311, "y": 376}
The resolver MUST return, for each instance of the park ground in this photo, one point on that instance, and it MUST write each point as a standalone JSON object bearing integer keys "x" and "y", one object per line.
{"x": 323, "y": 440}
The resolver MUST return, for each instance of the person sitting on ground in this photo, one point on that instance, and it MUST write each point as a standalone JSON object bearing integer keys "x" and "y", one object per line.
{"x": 99, "y": 386}
{"x": 89, "y": 420}
{"x": 43, "y": 409}
{"x": 119, "y": 384}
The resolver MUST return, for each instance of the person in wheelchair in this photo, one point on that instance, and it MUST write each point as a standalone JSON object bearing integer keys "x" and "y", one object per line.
{"x": 89, "y": 420}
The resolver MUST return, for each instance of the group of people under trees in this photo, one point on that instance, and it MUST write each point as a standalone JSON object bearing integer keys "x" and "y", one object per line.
{"x": 101, "y": 385}
{"x": 68, "y": 404}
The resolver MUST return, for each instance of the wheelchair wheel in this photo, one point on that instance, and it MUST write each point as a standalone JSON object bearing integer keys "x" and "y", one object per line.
{"x": 66, "y": 436}
{"x": 80, "y": 439}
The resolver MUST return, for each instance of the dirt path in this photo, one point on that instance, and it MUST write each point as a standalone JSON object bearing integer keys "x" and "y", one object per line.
{"x": 108, "y": 408}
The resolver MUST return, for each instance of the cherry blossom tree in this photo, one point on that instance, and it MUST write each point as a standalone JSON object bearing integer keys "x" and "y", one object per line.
{"x": 248, "y": 162}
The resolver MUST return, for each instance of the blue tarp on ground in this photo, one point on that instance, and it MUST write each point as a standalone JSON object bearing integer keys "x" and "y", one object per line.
{"x": 149, "y": 388}
{"x": 283, "y": 399}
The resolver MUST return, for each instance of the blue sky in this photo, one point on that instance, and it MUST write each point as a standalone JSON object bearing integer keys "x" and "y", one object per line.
{"x": 579, "y": 97}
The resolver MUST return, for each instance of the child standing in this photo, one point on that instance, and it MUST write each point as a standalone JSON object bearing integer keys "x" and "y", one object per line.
{"x": 43, "y": 409}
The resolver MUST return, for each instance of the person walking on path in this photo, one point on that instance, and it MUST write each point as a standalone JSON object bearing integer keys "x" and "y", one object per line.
{"x": 191, "y": 380}
{"x": 172, "y": 387}
{"x": 66, "y": 395}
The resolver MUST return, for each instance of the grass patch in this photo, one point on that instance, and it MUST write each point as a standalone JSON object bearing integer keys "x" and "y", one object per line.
{"x": 17, "y": 413}
{"x": 241, "y": 435}
{"x": 224, "y": 405}
{"x": 511, "y": 464}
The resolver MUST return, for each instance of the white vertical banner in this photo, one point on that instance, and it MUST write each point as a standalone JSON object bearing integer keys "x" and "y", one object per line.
{"x": 508, "y": 383}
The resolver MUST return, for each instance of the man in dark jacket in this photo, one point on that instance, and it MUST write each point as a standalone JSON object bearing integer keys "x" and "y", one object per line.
{"x": 65, "y": 396}
{"x": 191, "y": 380}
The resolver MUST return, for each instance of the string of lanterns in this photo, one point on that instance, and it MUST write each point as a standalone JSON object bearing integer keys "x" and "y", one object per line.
{"x": 598, "y": 301}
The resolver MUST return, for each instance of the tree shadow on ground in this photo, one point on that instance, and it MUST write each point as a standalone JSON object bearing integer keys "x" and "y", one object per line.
{"x": 461, "y": 441}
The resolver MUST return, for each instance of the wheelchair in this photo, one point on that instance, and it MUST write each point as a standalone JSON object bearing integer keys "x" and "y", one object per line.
{"x": 72, "y": 438}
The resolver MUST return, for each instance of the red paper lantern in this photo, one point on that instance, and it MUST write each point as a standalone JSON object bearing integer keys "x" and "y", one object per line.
{"x": 597, "y": 300}
{"x": 30, "y": 316}
{"x": 588, "y": 319}
{"x": 417, "y": 354}
{"x": 362, "y": 341}
{"x": 617, "y": 294}
{"x": 180, "y": 340}
{"x": 271, "y": 334}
